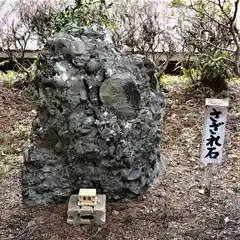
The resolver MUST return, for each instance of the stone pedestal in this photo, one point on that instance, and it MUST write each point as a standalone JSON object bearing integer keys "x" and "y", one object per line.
{"x": 86, "y": 214}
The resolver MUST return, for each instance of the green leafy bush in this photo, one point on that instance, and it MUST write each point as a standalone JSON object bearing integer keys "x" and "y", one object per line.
{"x": 216, "y": 71}
{"x": 212, "y": 40}
{"x": 83, "y": 13}
{"x": 211, "y": 71}
{"x": 15, "y": 79}
{"x": 23, "y": 78}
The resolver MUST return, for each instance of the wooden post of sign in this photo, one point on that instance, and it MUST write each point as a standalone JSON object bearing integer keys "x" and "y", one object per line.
{"x": 207, "y": 179}
{"x": 213, "y": 138}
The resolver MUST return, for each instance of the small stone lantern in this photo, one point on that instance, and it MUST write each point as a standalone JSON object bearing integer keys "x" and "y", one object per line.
{"x": 87, "y": 197}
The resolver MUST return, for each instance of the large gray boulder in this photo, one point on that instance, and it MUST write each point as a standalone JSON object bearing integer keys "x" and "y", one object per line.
{"x": 98, "y": 122}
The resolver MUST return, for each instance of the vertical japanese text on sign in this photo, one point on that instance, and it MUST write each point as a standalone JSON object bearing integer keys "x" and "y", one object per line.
{"x": 214, "y": 129}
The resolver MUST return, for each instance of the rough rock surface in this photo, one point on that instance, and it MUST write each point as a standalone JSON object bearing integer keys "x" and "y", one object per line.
{"x": 98, "y": 121}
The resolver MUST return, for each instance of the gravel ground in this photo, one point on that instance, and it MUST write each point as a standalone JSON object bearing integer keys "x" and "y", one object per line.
{"x": 176, "y": 209}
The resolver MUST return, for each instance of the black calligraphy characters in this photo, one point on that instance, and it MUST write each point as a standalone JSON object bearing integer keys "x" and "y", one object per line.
{"x": 214, "y": 139}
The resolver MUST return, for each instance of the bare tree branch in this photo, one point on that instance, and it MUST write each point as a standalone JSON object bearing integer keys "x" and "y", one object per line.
{"x": 213, "y": 30}
{"x": 140, "y": 28}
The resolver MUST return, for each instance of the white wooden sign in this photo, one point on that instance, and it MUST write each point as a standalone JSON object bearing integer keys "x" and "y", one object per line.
{"x": 214, "y": 130}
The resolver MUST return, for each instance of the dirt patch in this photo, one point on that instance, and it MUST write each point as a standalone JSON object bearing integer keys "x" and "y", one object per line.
{"x": 176, "y": 209}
